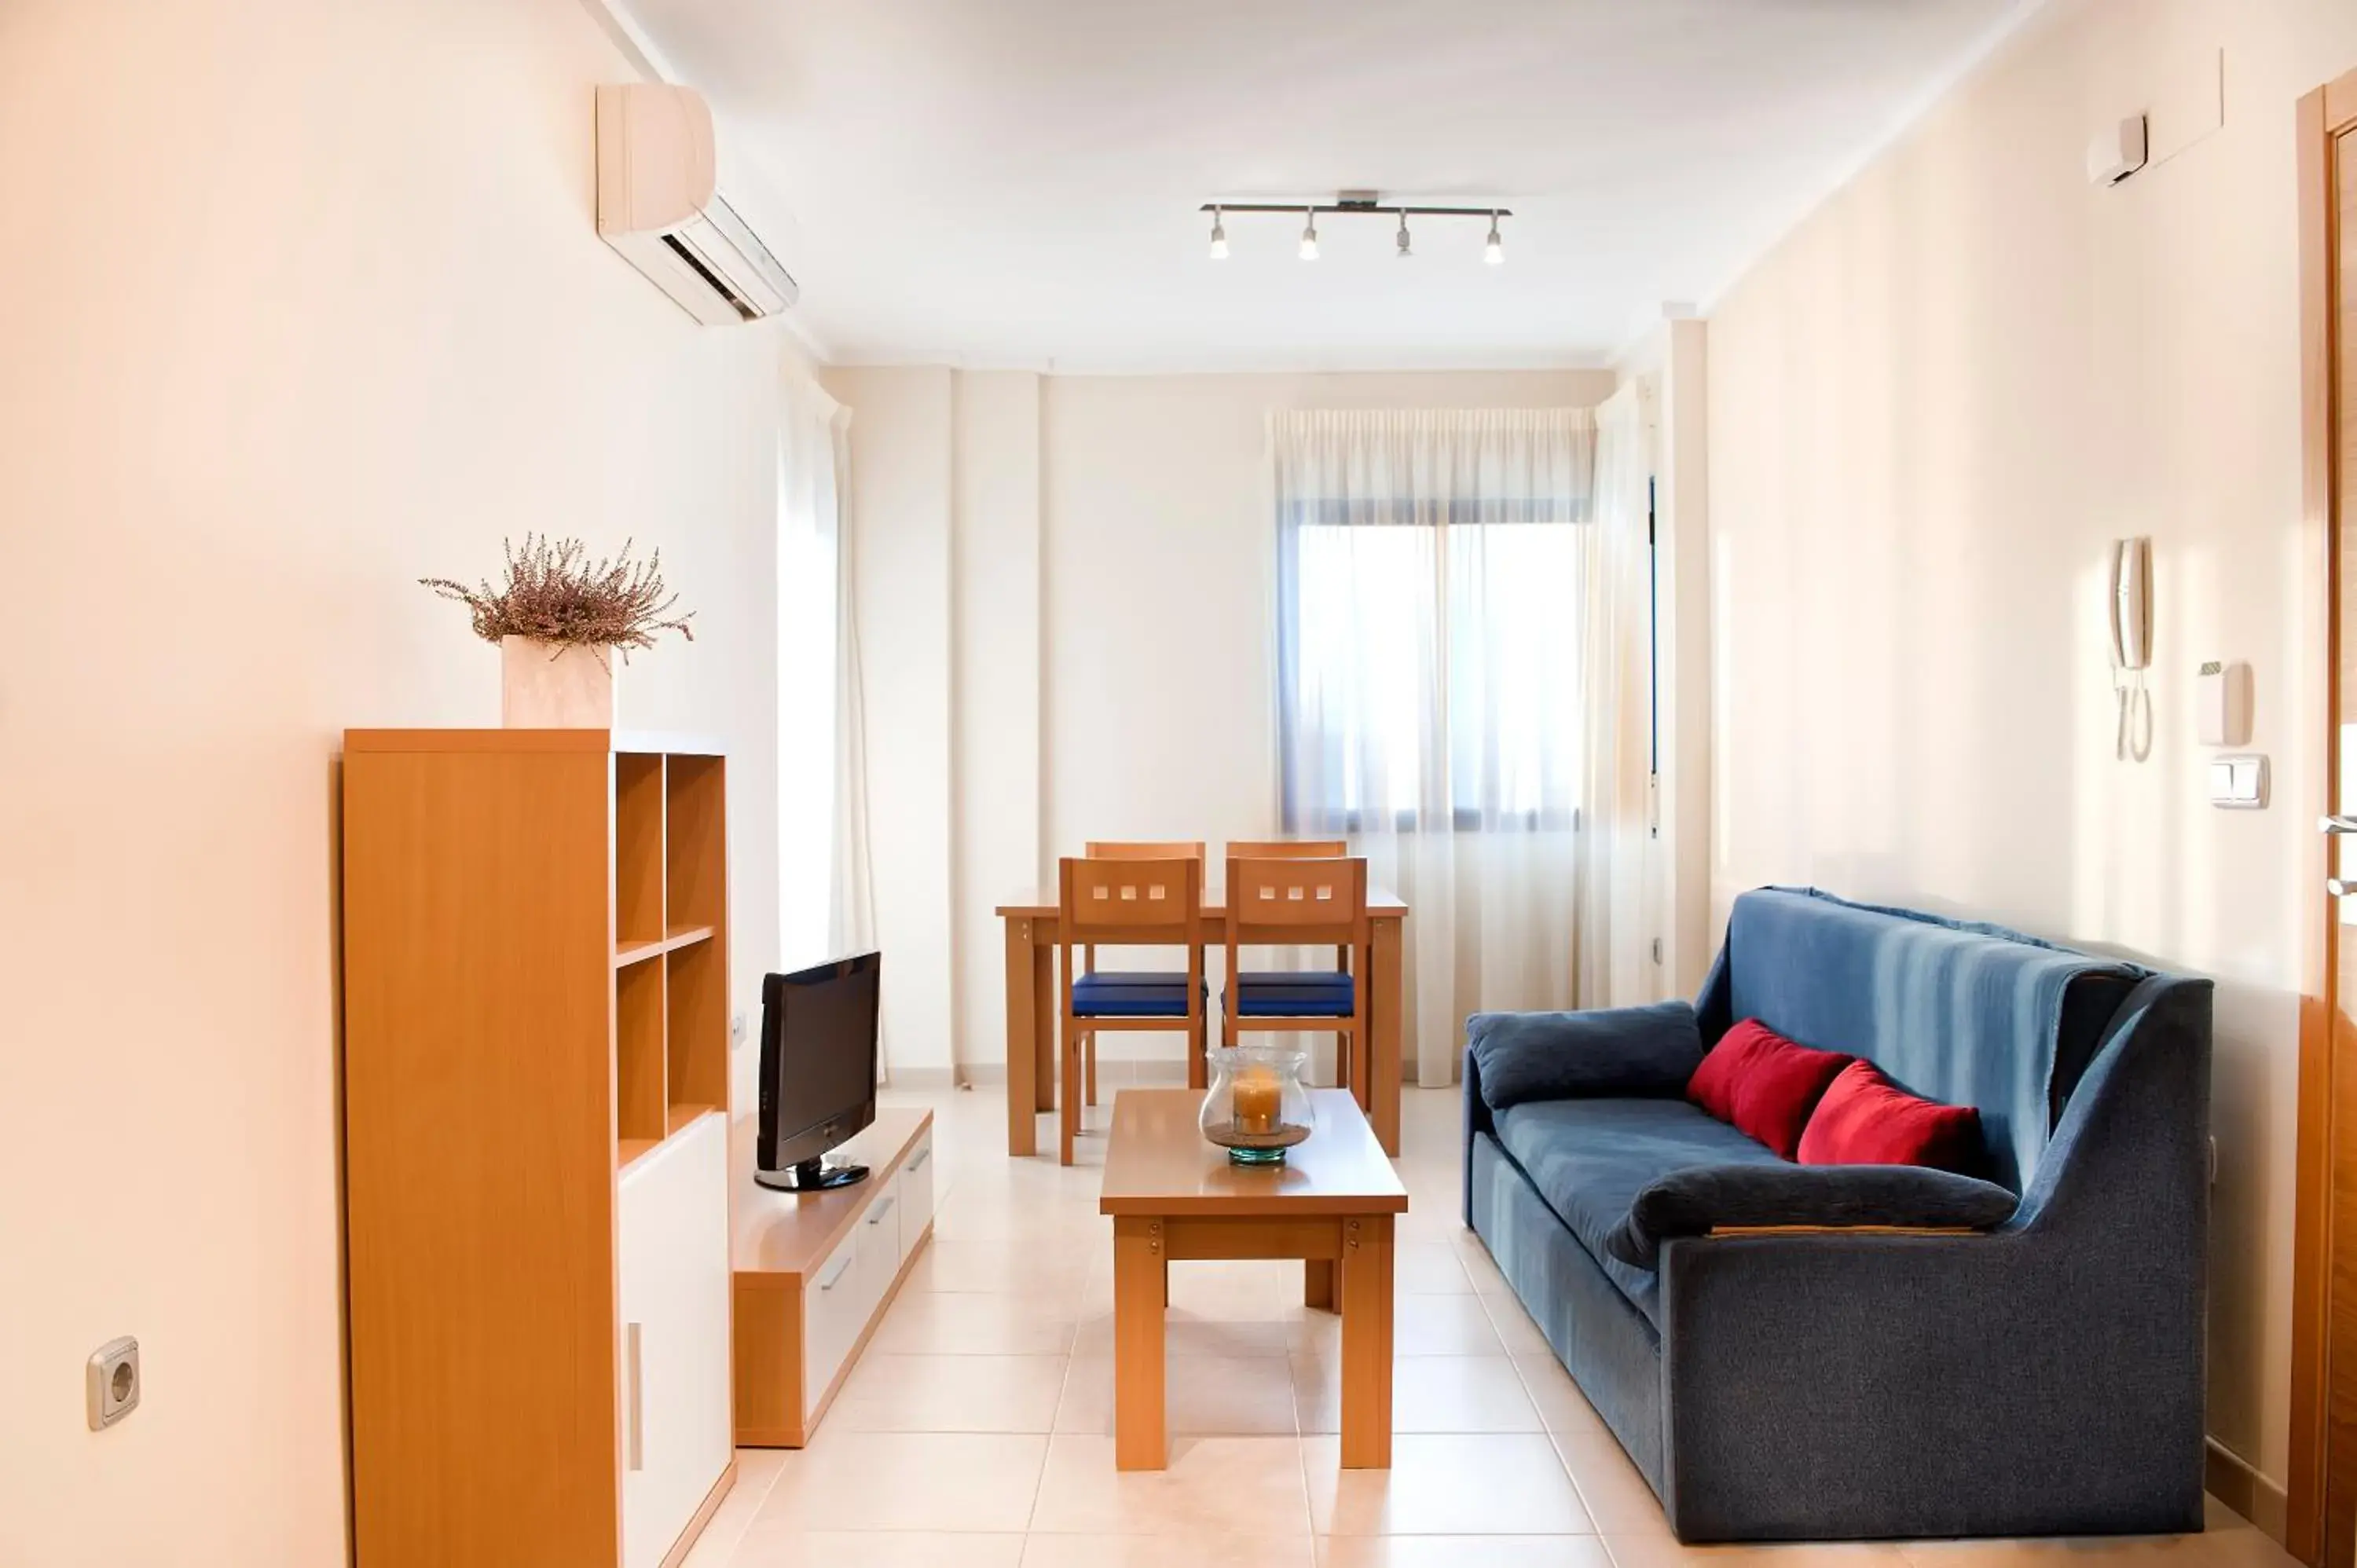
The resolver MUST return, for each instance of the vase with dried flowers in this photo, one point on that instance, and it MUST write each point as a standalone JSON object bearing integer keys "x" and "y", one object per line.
{"x": 559, "y": 618}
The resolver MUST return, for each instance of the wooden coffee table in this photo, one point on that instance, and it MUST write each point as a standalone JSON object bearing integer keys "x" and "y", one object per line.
{"x": 1174, "y": 1197}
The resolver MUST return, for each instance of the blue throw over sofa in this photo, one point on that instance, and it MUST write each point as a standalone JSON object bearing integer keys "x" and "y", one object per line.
{"x": 2041, "y": 1374}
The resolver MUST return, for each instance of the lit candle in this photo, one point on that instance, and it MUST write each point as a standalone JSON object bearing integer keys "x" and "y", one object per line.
{"x": 1259, "y": 1096}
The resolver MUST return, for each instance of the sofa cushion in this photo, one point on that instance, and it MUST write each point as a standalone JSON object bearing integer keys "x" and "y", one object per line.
{"x": 1764, "y": 1084}
{"x": 1867, "y": 1119}
{"x": 1968, "y": 1014}
{"x": 1698, "y": 1199}
{"x": 1590, "y": 1158}
{"x": 1649, "y": 1050}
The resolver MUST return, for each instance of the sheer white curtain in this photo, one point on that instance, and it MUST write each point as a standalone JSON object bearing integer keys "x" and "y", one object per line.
{"x": 826, "y": 899}
{"x": 1433, "y": 578}
{"x": 1610, "y": 965}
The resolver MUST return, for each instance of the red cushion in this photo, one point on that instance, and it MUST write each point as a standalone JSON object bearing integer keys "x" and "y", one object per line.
{"x": 1867, "y": 1119}
{"x": 1763, "y": 1084}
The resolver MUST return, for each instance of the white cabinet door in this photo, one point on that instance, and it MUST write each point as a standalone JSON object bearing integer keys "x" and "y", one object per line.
{"x": 831, "y": 1316}
{"x": 917, "y": 1192}
{"x": 673, "y": 1242}
{"x": 880, "y": 1243}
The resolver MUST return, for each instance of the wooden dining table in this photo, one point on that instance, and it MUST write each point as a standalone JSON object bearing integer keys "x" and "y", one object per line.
{"x": 1031, "y": 932}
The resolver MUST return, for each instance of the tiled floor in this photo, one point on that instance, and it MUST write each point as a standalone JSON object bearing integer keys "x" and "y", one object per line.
{"x": 975, "y": 1431}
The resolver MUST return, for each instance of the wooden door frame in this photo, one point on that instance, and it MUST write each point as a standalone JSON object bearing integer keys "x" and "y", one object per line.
{"x": 2324, "y": 114}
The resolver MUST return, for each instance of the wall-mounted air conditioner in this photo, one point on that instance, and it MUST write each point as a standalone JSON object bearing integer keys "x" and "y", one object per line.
{"x": 658, "y": 206}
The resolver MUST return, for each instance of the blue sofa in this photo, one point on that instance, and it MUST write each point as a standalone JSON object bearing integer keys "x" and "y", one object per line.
{"x": 2041, "y": 1376}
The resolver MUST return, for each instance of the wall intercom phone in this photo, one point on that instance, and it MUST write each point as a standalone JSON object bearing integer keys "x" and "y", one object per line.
{"x": 2131, "y": 645}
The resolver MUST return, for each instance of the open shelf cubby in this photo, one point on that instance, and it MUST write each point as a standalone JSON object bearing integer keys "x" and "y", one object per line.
{"x": 638, "y": 855}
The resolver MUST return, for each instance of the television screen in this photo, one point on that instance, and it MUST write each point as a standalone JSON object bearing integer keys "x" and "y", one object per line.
{"x": 818, "y": 1070}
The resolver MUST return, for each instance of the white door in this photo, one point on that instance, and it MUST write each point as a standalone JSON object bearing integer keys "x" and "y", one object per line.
{"x": 673, "y": 1248}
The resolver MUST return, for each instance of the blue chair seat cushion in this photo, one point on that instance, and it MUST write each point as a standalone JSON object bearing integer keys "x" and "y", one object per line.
{"x": 1590, "y": 1158}
{"x": 1130, "y": 994}
{"x": 1315, "y": 993}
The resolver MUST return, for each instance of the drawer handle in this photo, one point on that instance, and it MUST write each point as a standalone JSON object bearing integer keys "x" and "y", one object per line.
{"x": 827, "y": 1280}
{"x": 636, "y": 1362}
{"x": 922, "y": 1155}
{"x": 876, "y": 1215}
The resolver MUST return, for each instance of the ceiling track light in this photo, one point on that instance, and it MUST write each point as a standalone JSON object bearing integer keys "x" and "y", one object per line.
{"x": 1357, "y": 203}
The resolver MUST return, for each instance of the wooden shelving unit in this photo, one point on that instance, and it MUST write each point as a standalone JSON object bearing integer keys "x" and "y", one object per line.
{"x": 536, "y": 1114}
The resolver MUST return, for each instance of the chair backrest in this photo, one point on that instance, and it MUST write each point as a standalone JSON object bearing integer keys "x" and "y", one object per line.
{"x": 1277, "y": 902}
{"x": 1287, "y": 849}
{"x": 1117, "y": 849}
{"x": 1128, "y": 902}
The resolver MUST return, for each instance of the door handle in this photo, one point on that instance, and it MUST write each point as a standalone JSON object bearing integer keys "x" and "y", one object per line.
{"x": 2336, "y": 825}
{"x": 827, "y": 1280}
{"x": 636, "y": 1359}
{"x": 2340, "y": 886}
{"x": 876, "y": 1216}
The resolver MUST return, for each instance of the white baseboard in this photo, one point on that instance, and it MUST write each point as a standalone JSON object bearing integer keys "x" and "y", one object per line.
{"x": 2232, "y": 1481}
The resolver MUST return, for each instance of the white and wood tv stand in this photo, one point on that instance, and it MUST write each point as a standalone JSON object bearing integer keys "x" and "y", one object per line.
{"x": 814, "y": 1272}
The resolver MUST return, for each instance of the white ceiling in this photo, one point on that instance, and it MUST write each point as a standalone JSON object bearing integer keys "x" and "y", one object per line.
{"x": 1015, "y": 182}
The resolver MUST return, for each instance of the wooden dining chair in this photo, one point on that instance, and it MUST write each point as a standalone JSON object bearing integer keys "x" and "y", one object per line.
{"x": 1125, "y": 902}
{"x": 1138, "y": 849}
{"x": 1292, "y": 902}
{"x": 1293, "y": 849}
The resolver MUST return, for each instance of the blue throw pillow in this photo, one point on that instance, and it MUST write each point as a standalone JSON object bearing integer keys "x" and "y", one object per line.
{"x": 1568, "y": 1056}
{"x": 1700, "y": 1199}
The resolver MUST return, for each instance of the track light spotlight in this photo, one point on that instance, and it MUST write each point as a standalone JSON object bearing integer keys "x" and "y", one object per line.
{"x": 1219, "y": 237}
{"x": 1309, "y": 235}
{"x": 1404, "y": 252}
{"x": 1493, "y": 251}
{"x": 1350, "y": 204}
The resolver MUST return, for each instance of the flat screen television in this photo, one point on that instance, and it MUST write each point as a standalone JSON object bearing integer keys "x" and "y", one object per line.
{"x": 818, "y": 1071}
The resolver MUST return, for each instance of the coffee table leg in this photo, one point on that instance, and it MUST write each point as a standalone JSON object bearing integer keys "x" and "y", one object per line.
{"x": 1367, "y": 1343}
{"x": 1318, "y": 1284}
{"x": 1140, "y": 1281}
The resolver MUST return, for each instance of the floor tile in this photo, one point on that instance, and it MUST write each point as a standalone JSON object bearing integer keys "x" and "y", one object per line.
{"x": 1446, "y": 1485}
{"x": 942, "y": 1323}
{"x": 887, "y": 1392}
{"x": 1213, "y": 1486}
{"x": 1429, "y": 1268}
{"x": 777, "y": 1548}
{"x": 1429, "y": 1393}
{"x": 1461, "y": 1552}
{"x": 1617, "y": 1497}
{"x": 756, "y": 1472}
{"x": 1169, "y": 1551}
{"x": 1204, "y": 1396}
{"x": 997, "y": 1268}
{"x": 900, "y": 1480}
{"x": 1514, "y": 1328}
{"x": 1561, "y": 1406}
{"x": 1189, "y": 1334}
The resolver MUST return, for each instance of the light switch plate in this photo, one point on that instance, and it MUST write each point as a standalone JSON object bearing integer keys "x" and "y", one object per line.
{"x": 2239, "y": 783}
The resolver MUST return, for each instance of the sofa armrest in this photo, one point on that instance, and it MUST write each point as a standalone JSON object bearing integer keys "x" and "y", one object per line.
{"x": 1705, "y": 1200}
{"x": 1650, "y": 1050}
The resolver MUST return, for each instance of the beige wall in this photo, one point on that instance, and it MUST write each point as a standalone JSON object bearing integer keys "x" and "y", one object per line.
{"x": 1931, "y": 407}
{"x": 1106, "y": 543}
{"x": 300, "y": 303}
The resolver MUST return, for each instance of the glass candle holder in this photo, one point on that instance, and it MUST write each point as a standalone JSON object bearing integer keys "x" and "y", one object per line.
{"x": 1256, "y": 1108}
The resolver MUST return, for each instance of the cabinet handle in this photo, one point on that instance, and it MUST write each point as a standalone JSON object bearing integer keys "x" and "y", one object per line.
{"x": 876, "y": 1215}
{"x": 827, "y": 1280}
{"x": 634, "y": 1362}
{"x": 922, "y": 1155}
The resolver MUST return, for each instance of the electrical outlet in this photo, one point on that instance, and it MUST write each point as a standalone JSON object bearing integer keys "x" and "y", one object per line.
{"x": 737, "y": 1029}
{"x": 114, "y": 1382}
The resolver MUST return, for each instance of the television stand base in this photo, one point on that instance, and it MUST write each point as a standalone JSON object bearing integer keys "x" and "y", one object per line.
{"x": 811, "y": 1175}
